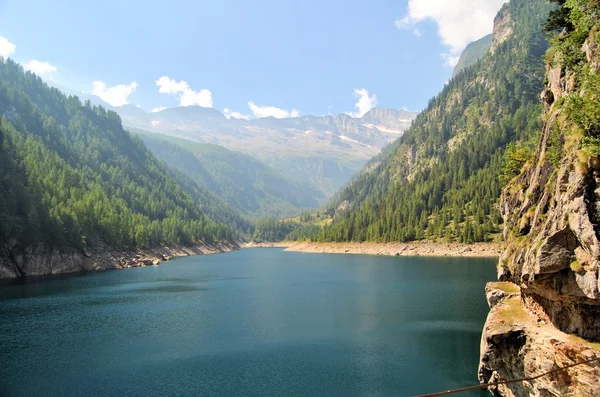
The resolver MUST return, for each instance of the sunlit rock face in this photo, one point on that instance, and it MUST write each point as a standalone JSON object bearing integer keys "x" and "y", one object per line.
{"x": 550, "y": 316}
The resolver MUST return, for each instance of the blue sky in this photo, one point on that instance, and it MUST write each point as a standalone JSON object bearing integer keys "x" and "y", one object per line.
{"x": 254, "y": 58}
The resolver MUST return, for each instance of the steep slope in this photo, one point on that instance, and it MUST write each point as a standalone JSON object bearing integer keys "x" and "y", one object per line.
{"x": 550, "y": 317}
{"x": 242, "y": 181}
{"x": 442, "y": 177}
{"x": 473, "y": 53}
{"x": 322, "y": 152}
{"x": 74, "y": 179}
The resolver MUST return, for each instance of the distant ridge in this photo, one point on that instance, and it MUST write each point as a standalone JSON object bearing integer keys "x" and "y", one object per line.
{"x": 473, "y": 53}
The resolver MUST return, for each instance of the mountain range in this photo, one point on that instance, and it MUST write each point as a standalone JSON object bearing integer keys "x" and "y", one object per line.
{"x": 320, "y": 151}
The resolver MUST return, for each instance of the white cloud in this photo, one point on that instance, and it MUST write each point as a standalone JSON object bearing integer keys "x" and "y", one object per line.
{"x": 158, "y": 109}
{"x": 364, "y": 103}
{"x": 236, "y": 115}
{"x": 201, "y": 98}
{"x": 450, "y": 60}
{"x": 406, "y": 23}
{"x": 115, "y": 96}
{"x": 42, "y": 69}
{"x": 169, "y": 86}
{"x": 6, "y": 47}
{"x": 272, "y": 111}
{"x": 459, "y": 22}
{"x": 187, "y": 96}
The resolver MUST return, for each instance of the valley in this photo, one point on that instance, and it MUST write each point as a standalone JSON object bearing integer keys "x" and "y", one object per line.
{"x": 322, "y": 152}
{"x": 501, "y": 166}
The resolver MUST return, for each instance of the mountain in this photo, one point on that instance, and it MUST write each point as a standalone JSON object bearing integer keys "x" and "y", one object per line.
{"x": 442, "y": 178}
{"x": 73, "y": 179}
{"x": 322, "y": 152}
{"x": 473, "y": 53}
{"x": 239, "y": 179}
{"x": 545, "y": 311}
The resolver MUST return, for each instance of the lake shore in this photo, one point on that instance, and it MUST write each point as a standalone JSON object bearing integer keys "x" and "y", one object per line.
{"x": 43, "y": 261}
{"x": 281, "y": 244}
{"x": 420, "y": 248}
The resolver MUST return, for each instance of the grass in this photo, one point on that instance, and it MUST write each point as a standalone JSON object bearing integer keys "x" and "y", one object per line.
{"x": 509, "y": 288}
{"x": 576, "y": 266}
{"x": 511, "y": 311}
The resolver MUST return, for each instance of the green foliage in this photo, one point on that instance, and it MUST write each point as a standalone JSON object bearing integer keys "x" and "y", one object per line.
{"x": 577, "y": 17}
{"x": 558, "y": 19}
{"x": 554, "y": 150}
{"x": 442, "y": 179}
{"x": 73, "y": 177}
{"x": 211, "y": 205}
{"x": 240, "y": 180}
{"x": 592, "y": 144}
{"x": 306, "y": 216}
{"x": 584, "y": 109}
{"x": 517, "y": 155}
{"x": 273, "y": 230}
{"x": 582, "y": 105}
{"x": 303, "y": 232}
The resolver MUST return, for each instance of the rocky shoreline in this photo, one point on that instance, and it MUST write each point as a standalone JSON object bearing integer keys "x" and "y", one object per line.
{"x": 519, "y": 341}
{"x": 280, "y": 244}
{"x": 420, "y": 248}
{"x": 43, "y": 261}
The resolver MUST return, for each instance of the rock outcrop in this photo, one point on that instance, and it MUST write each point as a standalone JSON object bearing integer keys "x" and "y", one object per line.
{"x": 546, "y": 313}
{"x": 520, "y": 342}
{"x": 42, "y": 261}
{"x": 503, "y": 29}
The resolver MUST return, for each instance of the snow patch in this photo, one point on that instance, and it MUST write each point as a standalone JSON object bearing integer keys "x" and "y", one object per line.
{"x": 345, "y": 138}
{"x": 386, "y": 130}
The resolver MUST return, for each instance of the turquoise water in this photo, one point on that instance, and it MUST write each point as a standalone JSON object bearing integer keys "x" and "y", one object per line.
{"x": 260, "y": 322}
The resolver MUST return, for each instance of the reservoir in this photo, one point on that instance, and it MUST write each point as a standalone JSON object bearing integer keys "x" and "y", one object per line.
{"x": 258, "y": 322}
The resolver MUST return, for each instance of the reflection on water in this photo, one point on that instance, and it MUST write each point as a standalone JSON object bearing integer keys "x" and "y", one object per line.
{"x": 255, "y": 322}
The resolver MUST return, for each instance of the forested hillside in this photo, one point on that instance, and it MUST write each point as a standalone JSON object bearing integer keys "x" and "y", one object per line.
{"x": 72, "y": 177}
{"x": 443, "y": 178}
{"x": 239, "y": 179}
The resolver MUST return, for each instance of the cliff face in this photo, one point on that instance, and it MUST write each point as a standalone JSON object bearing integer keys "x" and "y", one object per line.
{"x": 503, "y": 29}
{"x": 546, "y": 312}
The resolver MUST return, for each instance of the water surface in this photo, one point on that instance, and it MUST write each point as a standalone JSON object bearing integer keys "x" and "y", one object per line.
{"x": 259, "y": 322}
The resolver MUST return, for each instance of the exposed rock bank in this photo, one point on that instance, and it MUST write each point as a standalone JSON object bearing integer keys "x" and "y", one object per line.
{"x": 280, "y": 244}
{"x": 424, "y": 248}
{"x": 41, "y": 260}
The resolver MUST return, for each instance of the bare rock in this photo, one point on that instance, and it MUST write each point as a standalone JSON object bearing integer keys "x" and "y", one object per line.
{"x": 497, "y": 292}
{"x": 554, "y": 257}
{"x": 503, "y": 29}
{"x": 557, "y": 252}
